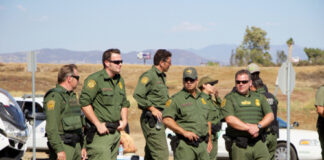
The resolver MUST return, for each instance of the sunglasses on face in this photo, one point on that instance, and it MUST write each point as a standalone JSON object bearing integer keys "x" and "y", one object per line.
{"x": 76, "y": 77}
{"x": 117, "y": 62}
{"x": 243, "y": 82}
{"x": 189, "y": 80}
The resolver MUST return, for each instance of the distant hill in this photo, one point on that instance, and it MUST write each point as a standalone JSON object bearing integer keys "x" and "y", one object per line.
{"x": 220, "y": 53}
{"x": 59, "y": 56}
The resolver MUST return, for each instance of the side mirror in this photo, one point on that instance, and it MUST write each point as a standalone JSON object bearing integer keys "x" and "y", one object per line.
{"x": 295, "y": 124}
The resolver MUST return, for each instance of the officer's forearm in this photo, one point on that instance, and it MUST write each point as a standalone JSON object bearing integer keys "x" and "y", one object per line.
{"x": 170, "y": 123}
{"x": 89, "y": 113}
{"x": 209, "y": 131}
{"x": 267, "y": 119}
{"x": 123, "y": 114}
{"x": 236, "y": 123}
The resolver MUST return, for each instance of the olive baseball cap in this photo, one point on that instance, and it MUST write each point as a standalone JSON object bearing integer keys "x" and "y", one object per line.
{"x": 207, "y": 80}
{"x": 253, "y": 68}
{"x": 190, "y": 72}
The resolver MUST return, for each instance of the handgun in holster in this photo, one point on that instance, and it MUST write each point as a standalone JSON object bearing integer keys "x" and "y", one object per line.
{"x": 174, "y": 142}
{"x": 149, "y": 118}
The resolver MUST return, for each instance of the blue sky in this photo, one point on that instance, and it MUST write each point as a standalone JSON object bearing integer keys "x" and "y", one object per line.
{"x": 146, "y": 24}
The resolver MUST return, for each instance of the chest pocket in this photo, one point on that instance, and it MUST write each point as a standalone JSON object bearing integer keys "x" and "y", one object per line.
{"x": 108, "y": 97}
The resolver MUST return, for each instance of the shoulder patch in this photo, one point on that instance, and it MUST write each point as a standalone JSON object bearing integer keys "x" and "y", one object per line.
{"x": 223, "y": 103}
{"x": 203, "y": 101}
{"x": 167, "y": 104}
{"x": 91, "y": 83}
{"x": 144, "y": 80}
{"x": 50, "y": 105}
{"x": 257, "y": 102}
{"x": 120, "y": 85}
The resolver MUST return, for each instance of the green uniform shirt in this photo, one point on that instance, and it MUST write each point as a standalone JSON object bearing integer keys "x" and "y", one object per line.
{"x": 250, "y": 108}
{"x": 151, "y": 89}
{"x": 319, "y": 101}
{"x": 106, "y": 95}
{"x": 190, "y": 113}
{"x": 55, "y": 104}
{"x": 214, "y": 108}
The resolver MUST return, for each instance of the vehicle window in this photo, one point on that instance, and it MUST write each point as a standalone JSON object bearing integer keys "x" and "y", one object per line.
{"x": 29, "y": 106}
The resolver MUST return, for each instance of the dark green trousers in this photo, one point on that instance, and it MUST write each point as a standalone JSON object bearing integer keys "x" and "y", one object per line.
{"x": 272, "y": 144}
{"x": 213, "y": 152}
{"x": 104, "y": 147}
{"x": 71, "y": 152}
{"x": 258, "y": 151}
{"x": 321, "y": 139}
{"x": 156, "y": 147}
{"x": 188, "y": 152}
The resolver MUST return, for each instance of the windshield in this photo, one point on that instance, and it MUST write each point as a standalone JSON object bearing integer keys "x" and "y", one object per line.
{"x": 10, "y": 110}
{"x": 282, "y": 123}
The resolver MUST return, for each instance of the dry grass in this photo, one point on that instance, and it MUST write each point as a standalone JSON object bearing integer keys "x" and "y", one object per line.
{"x": 15, "y": 78}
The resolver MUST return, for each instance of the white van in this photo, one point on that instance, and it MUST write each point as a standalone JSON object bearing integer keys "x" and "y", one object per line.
{"x": 26, "y": 104}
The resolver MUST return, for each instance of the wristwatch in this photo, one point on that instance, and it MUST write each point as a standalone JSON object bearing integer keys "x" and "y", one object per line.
{"x": 259, "y": 126}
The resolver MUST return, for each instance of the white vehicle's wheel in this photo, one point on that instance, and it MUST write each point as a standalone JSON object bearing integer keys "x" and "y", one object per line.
{"x": 281, "y": 152}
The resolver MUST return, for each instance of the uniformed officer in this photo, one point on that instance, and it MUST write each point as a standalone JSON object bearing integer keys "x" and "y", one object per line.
{"x": 259, "y": 87}
{"x": 151, "y": 94}
{"x": 63, "y": 116}
{"x": 186, "y": 113}
{"x": 104, "y": 103}
{"x": 247, "y": 114}
{"x": 206, "y": 85}
{"x": 319, "y": 104}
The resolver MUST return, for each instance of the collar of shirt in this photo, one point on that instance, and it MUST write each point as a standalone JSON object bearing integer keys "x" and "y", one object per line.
{"x": 63, "y": 89}
{"x": 106, "y": 76}
{"x": 158, "y": 71}
{"x": 187, "y": 94}
{"x": 246, "y": 95}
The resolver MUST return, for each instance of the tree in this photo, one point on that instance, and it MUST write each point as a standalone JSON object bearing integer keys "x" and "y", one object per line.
{"x": 255, "y": 47}
{"x": 290, "y": 42}
{"x": 281, "y": 57}
{"x": 315, "y": 55}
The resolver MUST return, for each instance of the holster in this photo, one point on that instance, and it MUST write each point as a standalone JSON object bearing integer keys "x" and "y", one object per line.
{"x": 228, "y": 142}
{"x": 112, "y": 126}
{"x": 215, "y": 128}
{"x": 241, "y": 142}
{"x": 71, "y": 138}
{"x": 149, "y": 118}
{"x": 89, "y": 131}
{"x": 174, "y": 142}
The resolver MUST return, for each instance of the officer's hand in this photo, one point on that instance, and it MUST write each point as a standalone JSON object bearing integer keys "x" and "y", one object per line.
{"x": 156, "y": 113}
{"x": 84, "y": 154}
{"x": 253, "y": 130}
{"x": 209, "y": 146}
{"x": 190, "y": 135}
{"x": 61, "y": 156}
{"x": 102, "y": 129}
{"x": 122, "y": 125}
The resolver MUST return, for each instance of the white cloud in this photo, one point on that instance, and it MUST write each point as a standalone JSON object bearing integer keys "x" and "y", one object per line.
{"x": 187, "y": 26}
{"x": 21, "y": 8}
{"x": 272, "y": 24}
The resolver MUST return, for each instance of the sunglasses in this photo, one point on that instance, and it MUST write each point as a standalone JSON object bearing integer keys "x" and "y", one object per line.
{"x": 76, "y": 77}
{"x": 117, "y": 62}
{"x": 243, "y": 82}
{"x": 189, "y": 80}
